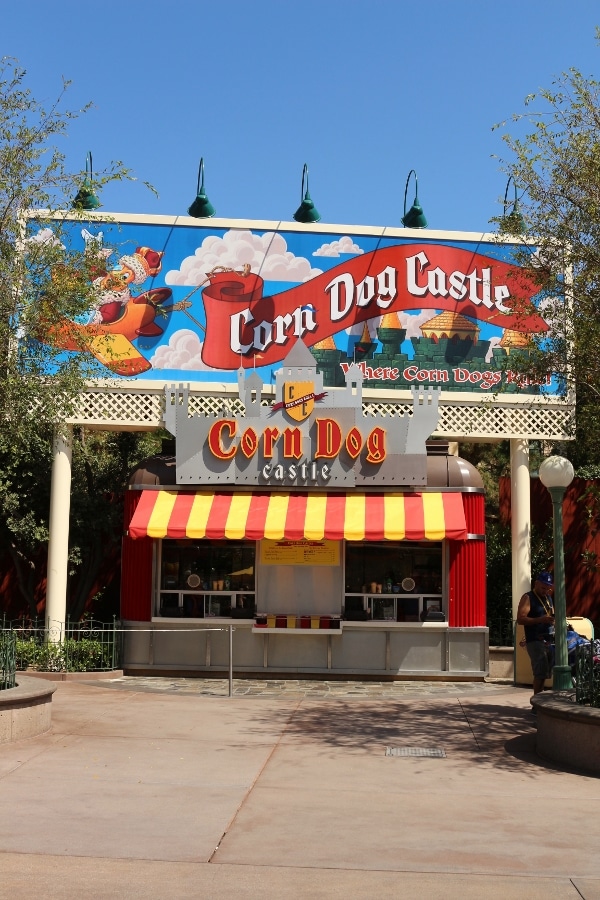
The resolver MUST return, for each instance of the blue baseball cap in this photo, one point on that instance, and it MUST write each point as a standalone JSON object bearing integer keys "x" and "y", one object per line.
{"x": 545, "y": 578}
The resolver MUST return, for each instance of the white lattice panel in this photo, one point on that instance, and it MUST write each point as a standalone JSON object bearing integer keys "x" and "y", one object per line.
{"x": 114, "y": 408}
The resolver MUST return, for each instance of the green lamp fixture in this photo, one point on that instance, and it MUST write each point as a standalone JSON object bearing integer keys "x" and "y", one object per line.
{"x": 307, "y": 211}
{"x": 513, "y": 223}
{"x": 201, "y": 208}
{"x": 86, "y": 198}
{"x": 415, "y": 217}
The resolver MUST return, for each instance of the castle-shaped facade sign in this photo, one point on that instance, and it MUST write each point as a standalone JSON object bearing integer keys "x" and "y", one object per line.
{"x": 308, "y": 438}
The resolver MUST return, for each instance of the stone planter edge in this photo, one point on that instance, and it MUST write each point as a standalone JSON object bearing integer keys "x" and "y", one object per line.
{"x": 25, "y": 710}
{"x": 567, "y": 733}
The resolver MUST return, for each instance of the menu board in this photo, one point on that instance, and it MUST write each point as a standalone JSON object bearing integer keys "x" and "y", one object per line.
{"x": 300, "y": 553}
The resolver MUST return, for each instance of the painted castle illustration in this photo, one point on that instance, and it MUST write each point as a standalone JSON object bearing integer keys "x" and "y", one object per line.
{"x": 449, "y": 350}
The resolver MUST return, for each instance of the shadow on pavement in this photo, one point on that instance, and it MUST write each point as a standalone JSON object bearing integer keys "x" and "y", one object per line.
{"x": 501, "y": 736}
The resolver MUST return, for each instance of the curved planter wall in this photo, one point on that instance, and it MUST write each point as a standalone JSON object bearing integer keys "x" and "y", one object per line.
{"x": 25, "y": 710}
{"x": 567, "y": 733}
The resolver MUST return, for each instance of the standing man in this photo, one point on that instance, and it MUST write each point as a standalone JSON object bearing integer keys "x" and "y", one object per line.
{"x": 536, "y": 614}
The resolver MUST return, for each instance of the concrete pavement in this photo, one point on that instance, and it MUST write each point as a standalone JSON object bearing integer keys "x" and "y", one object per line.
{"x": 168, "y": 788}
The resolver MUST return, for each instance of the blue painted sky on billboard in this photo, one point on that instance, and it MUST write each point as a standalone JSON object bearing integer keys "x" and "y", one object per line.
{"x": 361, "y": 92}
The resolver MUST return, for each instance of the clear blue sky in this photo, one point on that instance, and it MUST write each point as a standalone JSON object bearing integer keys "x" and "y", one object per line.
{"x": 362, "y": 92}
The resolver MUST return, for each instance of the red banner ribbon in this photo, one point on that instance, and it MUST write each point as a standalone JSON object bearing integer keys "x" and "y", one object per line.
{"x": 290, "y": 404}
{"x": 242, "y": 326}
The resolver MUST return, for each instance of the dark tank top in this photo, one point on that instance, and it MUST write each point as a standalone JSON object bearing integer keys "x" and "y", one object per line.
{"x": 538, "y": 631}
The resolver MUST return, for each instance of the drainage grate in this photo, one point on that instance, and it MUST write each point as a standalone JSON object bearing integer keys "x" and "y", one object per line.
{"x": 415, "y": 751}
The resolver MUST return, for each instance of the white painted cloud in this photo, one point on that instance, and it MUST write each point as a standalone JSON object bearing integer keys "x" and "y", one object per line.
{"x": 44, "y": 236}
{"x": 413, "y": 322}
{"x": 182, "y": 352}
{"x": 267, "y": 255}
{"x": 345, "y": 245}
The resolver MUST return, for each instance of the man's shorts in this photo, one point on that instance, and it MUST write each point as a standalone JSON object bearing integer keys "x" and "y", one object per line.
{"x": 540, "y": 661}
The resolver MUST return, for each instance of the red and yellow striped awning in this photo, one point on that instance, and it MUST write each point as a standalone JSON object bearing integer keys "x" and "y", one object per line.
{"x": 293, "y": 516}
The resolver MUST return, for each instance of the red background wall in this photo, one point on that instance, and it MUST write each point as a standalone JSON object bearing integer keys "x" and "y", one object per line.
{"x": 581, "y": 523}
{"x": 136, "y": 570}
{"x": 467, "y": 588}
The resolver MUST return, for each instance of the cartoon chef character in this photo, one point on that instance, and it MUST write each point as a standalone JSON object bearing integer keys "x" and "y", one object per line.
{"x": 113, "y": 288}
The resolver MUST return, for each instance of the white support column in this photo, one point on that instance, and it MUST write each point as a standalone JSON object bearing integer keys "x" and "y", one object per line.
{"x": 58, "y": 542}
{"x": 520, "y": 520}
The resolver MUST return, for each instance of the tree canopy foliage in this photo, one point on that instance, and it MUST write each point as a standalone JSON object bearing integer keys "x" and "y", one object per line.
{"x": 44, "y": 281}
{"x": 556, "y": 168}
{"x": 102, "y": 462}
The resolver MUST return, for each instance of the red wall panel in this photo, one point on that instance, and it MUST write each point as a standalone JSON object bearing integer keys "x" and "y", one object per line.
{"x": 467, "y": 587}
{"x": 136, "y": 569}
{"x": 474, "y": 506}
{"x": 467, "y": 594}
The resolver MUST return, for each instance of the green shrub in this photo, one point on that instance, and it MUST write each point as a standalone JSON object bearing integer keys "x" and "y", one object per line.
{"x": 83, "y": 655}
{"x": 27, "y": 653}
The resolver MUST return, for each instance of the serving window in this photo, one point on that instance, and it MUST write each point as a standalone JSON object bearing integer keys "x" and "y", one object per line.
{"x": 393, "y": 581}
{"x": 198, "y": 579}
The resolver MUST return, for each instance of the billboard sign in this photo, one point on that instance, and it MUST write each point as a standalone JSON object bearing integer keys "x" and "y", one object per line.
{"x": 180, "y": 299}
